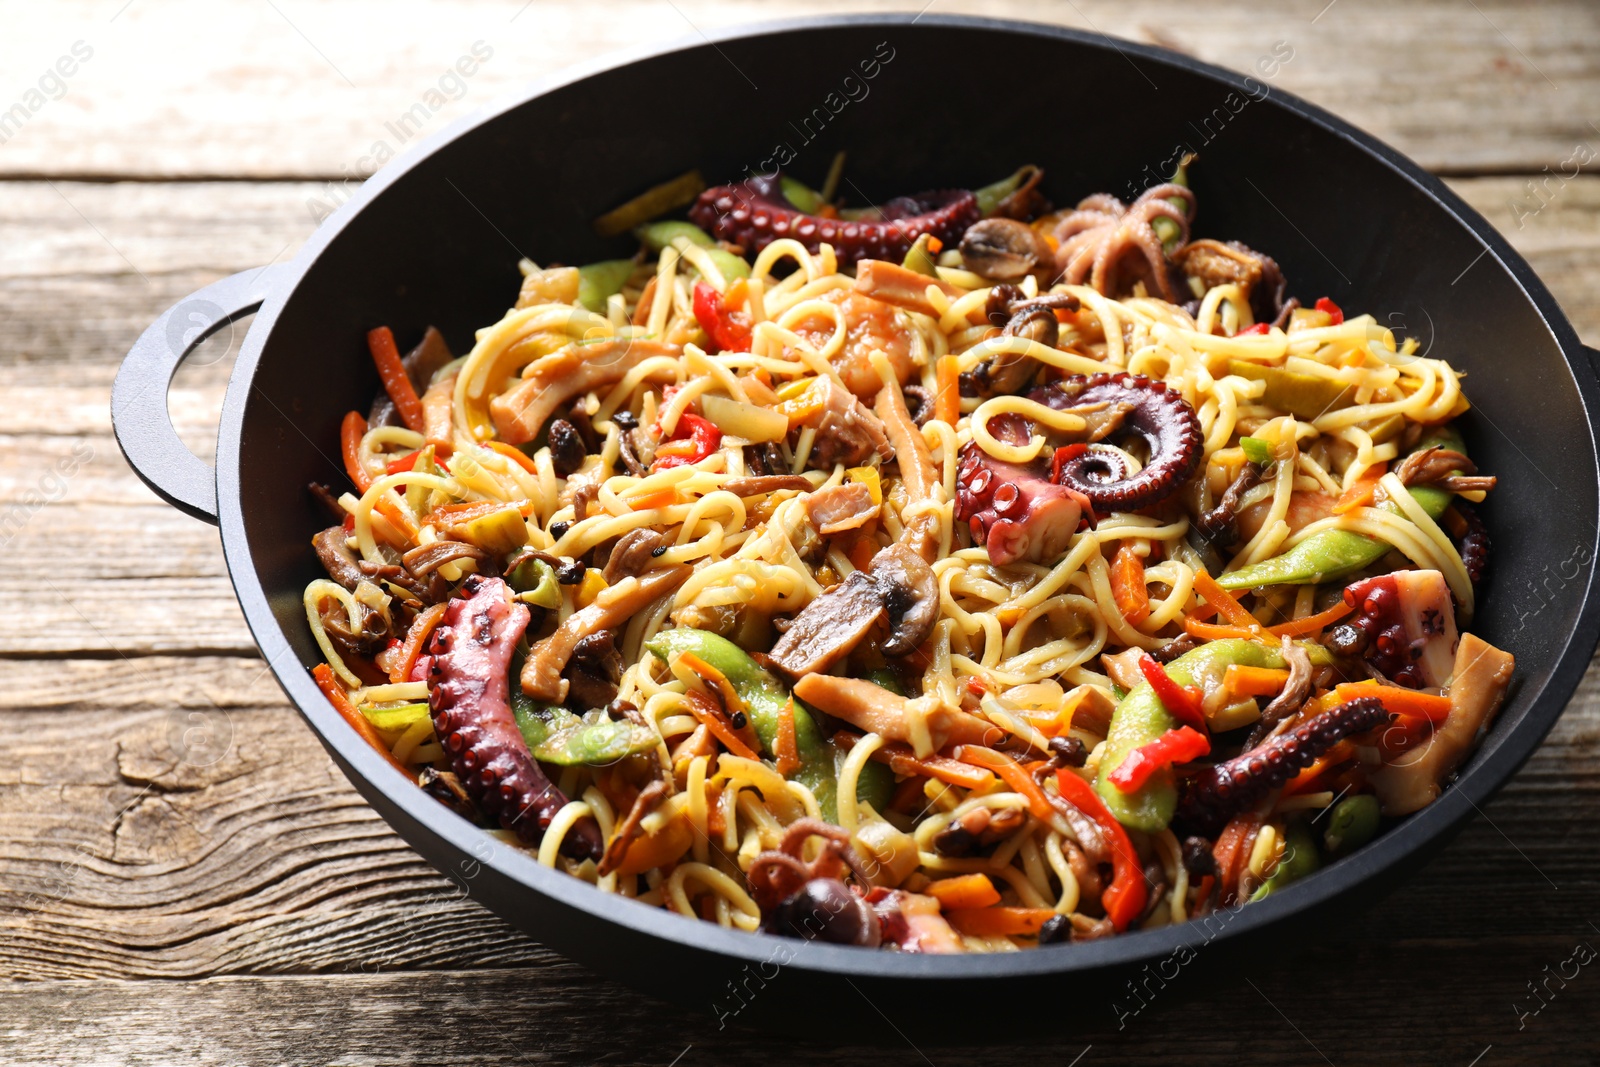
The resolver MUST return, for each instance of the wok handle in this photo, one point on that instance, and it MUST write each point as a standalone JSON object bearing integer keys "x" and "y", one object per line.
{"x": 139, "y": 415}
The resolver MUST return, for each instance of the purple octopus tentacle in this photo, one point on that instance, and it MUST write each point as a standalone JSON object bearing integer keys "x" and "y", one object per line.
{"x": 1208, "y": 800}
{"x": 469, "y": 696}
{"x": 755, "y": 212}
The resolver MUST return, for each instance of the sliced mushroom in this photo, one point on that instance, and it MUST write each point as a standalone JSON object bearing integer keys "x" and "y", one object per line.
{"x": 425, "y": 559}
{"x": 910, "y": 596}
{"x": 762, "y": 484}
{"x": 632, "y": 554}
{"x": 830, "y": 626}
{"x": 1258, "y": 276}
{"x": 1005, "y": 249}
{"x": 337, "y": 558}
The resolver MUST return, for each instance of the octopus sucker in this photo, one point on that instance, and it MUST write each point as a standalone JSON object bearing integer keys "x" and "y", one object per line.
{"x": 754, "y": 213}
{"x": 1208, "y": 800}
{"x": 1163, "y": 419}
{"x": 469, "y": 698}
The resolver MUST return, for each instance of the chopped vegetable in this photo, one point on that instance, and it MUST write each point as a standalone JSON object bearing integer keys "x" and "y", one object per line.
{"x": 1256, "y": 450}
{"x": 693, "y": 440}
{"x": 657, "y": 235}
{"x": 1397, "y": 700}
{"x": 1170, "y": 749}
{"x": 947, "y": 396}
{"x": 964, "y": 891}
{"x": 750, "y": 421}
{"x": 341, "y": 703}
{"x": 396, "y": 382}
{"x": 999, "y": 921}
{"x": 1353, "y": 823}
{"x": 652, "y": 203}
{"x": 1128, "y": 587}
{"x": 1332, "y": 310}
{"x": 351, "y": 431}
{"x": 1124, "y": 899}
{"x": 729, "y": 330}
{"x": 597, "y": 282}
{"x": 1299, "y": 859}
{"x": 1306, "y": 396}
{"x": 1181, "y": 701}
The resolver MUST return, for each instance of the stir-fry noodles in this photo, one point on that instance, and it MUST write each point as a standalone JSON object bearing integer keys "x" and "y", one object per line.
{"x": 954, "y": 575}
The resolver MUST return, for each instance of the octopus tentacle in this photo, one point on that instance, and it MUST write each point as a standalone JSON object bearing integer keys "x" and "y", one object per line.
{"x": 1166, "y": 422}
{"x": 755, "y": 212}
{"x": 1211, "y": 798}
{"x": 1015, "y": 512}
{"x": 1474, "y": 542}
{"x": 1098, "y": 237}
{"x": 469, "y": 696}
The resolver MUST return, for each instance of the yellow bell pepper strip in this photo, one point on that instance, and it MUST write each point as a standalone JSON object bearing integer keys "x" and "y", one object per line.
{"x": 1335, "y": 553}
{"x": 1124, "y": 899}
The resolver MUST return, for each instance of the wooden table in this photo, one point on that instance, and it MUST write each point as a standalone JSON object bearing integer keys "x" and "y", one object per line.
{"x": 247, "y": 906}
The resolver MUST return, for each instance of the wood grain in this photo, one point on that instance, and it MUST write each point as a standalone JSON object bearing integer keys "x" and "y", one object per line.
{"x": 300, "y": 89}
{"x": 186, "y": 878}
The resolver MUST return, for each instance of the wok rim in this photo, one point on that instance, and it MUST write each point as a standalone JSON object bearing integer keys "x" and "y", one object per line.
{"x": 1376, "y": 866}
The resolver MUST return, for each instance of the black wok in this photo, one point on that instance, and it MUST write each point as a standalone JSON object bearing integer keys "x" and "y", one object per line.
{"x": 434, "y": 239}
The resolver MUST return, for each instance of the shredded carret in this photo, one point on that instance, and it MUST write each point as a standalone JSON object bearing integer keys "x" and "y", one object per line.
{"x": 905, "y": 572}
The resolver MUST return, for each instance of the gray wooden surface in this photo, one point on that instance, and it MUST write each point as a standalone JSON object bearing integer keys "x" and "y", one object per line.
{"x": 243, "y": 905}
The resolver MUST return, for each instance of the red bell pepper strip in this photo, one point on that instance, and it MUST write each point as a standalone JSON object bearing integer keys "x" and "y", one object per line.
{"x": 1173, "y": 747}
{"x": 409, "y": 462}
{"x": 1181, "y": 701}
{"x": 1259, "y": 328}
{"x": 692, "y": 440}
{"x": 1335, "y": 314}
{"x": 729, "y": 330}
{"x": 396, "y": 382}
{"x": 1125, "y": 898}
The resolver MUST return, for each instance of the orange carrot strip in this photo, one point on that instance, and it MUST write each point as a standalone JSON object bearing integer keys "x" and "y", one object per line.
{"x": 341, "y": 703}
{"x": 1302, "y": 782}
{"x": 389, "y": 509}
{"x": 1311, "y": 623}
{"x": 426, "y": 620}
{"x": 1410, "y": 702}
{"x": 999, "y": 922}
{"x": 1230, "y": 609}
{"x": 904, "y": 762}
{"x": 965, "y": 891}
{"x": 711, "y": 717}
{"x": 1245, "y": 682}
{"x": 396, "y": 382}
{"x": 515, "y": 455}
{"x": 785, "y": 746}
{"x": 662, "y": 498}
{"x": 947, "y": 394}
{"x": 351, "y": 431}
{"x": 1230, "y": 854}
{"x": 1127, "y": 584}
{"x": 716, "y": 823}
{"x": 1360, "y": 494}
{"x": 1210, "y": 631}
{"x": 1012, "y": 773}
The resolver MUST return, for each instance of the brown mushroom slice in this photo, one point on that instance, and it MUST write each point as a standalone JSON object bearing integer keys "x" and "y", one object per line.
{"x": 632, "y": 554}
{"x": 425, "y": 559}
{"x": 550, "y": 381}
{"x": 899, "y": 286}
{"x": 840, "y": 508}
{"x": 872, "y": 708}
{"x": 762, "y": 484}
{"x": 1004, "y": 249}
{"x": 613, "y": 608}
{"x": 910, "y": 595}
{"x": 830, "y": 626}
{"x": 1482, "y": 675}
{"x": 337, "y": 558}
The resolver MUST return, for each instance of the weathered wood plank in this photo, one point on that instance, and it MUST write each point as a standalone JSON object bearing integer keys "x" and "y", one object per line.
{"x": 175, "y": 818}
{"x": 297, "y": 89}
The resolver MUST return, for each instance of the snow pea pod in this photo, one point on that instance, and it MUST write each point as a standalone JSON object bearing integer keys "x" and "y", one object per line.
{"x": 1335, "y": 553}
{"x": 765, "y": 698}
{"x": 1141, "y": 718}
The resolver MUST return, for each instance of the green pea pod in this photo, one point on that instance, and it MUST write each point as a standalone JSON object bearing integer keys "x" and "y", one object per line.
{"x": 730, "y": 265}
{"x": 1335, "y": 553}
{"x": 1299, "y": 859}
{"x": 1167, "y": 229}
{"x": 535, "y": 582}
{"x": 596, "y": 742}
{"x": 919, "y": 258}
{"x": 989, "y": 196}
{"x": 764, "y": 697}
{"x": 657, "y": 235}
{"x": 1141, "y": 718}
{"x": 801, "y": 195}
{"x": 598, "y": 281}
{"x": 1353, "y": 823}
